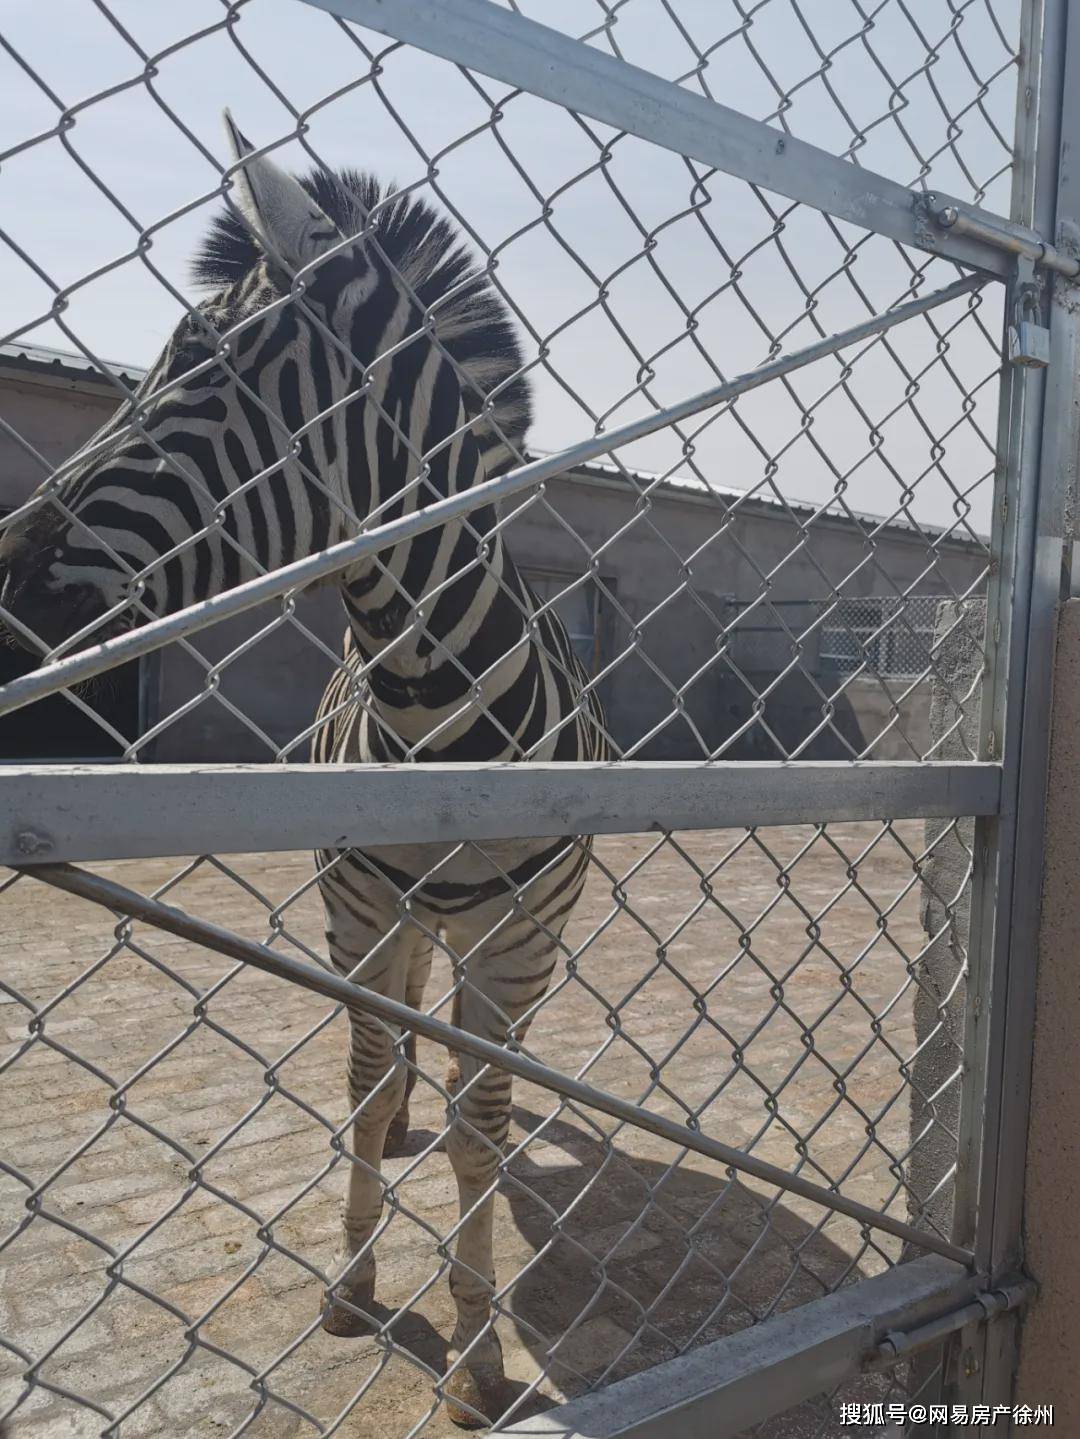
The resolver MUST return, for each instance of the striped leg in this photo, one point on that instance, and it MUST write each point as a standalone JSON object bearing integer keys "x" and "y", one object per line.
{"x": 419, "y": 970}
{"x": 376, "y": 1087}
{"x": 505, "y": 979}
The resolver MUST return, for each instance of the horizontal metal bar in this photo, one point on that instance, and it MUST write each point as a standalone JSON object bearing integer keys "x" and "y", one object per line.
{"x": 335, "y": 987}
{"x": 965, "y": 221}
{"x": 724, "y": 1388}
{"x": 507, "y": 46}
{"x": 149, "y": 637}
{"x": 84, "y": 812}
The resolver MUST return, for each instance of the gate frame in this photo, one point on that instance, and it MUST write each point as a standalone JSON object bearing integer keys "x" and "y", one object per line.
{"x": 1039, "y": 439}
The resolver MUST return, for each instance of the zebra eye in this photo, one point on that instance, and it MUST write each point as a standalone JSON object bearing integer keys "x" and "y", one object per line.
{"x": 190, "y": 354}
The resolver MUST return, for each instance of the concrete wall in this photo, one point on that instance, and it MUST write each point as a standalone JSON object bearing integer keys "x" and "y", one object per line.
{"x": 1049, "y": 1370}
{"x": 644, "y": 566}
{"x": 263, "y": 700}
{"x": 941, "y": 995}
{"x": 905, "y": 735}
{"x": 56, "y": 417}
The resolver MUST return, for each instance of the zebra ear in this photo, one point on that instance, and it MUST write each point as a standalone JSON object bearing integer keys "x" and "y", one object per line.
{"x": 276, "y": 208}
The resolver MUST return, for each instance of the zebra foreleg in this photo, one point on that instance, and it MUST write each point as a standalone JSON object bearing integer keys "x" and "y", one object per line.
{"x": 398, "y": 1131}
{"x": 453, "y": 1068}
{"x": 419, "y": 970}
{"x": 376, "y": 1086}
{"x": 475, "y": 1142}
{"x": 377, "y": 1093}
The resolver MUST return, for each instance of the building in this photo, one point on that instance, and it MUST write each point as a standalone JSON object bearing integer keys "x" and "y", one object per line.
{"x": 684, "y": 655}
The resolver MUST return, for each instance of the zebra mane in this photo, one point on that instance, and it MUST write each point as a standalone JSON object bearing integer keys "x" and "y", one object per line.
{"x": 423, "y": 246}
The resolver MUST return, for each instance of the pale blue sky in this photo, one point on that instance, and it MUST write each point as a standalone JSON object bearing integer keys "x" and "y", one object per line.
{"x": 154, "y": 171}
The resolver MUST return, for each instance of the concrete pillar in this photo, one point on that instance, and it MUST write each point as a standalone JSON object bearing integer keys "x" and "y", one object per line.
{"x": 1049, "y": 1368}
{"x": 939, "y": 999}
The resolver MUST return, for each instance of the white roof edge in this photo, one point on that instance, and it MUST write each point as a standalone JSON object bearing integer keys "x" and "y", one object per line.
{"x": 697, "y": 486}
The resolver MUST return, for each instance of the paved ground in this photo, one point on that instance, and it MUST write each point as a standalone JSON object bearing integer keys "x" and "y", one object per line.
{"x": 137, "y": 1079}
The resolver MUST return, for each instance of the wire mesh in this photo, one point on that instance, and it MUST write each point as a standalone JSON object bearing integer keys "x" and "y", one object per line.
{"x": 791, "y": 575}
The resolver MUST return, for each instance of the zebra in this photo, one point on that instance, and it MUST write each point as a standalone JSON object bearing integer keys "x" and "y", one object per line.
{"x": 448, "y": 654}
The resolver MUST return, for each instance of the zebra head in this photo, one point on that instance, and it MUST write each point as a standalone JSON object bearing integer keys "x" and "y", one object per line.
{"x": 275, "y": 417}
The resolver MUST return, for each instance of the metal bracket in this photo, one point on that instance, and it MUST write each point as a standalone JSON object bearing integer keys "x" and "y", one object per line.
{"x": 929, "y": 226}
{"x": 899, "y": 1344}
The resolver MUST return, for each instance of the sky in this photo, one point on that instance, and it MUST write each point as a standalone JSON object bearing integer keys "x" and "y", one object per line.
{"x": 128, "y": 181}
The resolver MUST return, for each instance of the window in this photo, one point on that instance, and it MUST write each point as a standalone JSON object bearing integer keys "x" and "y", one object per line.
{"x": 887, "y": 635}
{"x": 579, "y": 611}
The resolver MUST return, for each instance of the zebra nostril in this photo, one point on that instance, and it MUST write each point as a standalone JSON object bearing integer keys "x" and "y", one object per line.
{"x": 48, "y": 611}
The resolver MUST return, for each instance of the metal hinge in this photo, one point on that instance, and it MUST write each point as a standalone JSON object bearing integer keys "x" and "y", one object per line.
{"x": 899, "y": 1343}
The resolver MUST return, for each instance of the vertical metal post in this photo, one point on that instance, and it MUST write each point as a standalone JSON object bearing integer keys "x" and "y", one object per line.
{"x": 1021, "y": 396}
{"x": 1038, "y": 439}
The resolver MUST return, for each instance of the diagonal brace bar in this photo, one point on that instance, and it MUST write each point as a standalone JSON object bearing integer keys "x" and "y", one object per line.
{"x": 85, "y": 664}
{"x": 343, "y": 991}
{"x": 508, "y": 46}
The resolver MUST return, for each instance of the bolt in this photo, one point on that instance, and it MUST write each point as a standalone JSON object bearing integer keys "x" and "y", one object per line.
{"x": 948, "y": 216}
{"x": 27, "y": 842}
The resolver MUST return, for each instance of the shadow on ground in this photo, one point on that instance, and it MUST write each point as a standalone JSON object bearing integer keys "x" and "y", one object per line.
{"x": 633, "y": 1261}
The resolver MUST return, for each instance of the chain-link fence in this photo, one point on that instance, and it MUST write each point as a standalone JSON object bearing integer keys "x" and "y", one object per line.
{"x": 879, "y": 427}
{"x": 205, "y": 1137}
{"x": 432, "y": 394}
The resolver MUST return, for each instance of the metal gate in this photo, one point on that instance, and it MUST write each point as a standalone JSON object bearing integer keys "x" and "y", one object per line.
{"x": 764, "y": 1176}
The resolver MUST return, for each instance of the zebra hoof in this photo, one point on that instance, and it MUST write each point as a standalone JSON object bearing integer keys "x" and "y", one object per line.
{"x": 397, "y": 1135}
{"x": 472, "y": 1393}
{"x": 342, "y": 1322}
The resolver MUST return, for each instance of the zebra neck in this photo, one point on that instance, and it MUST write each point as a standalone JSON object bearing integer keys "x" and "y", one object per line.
{"x": 445, "y": 656}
